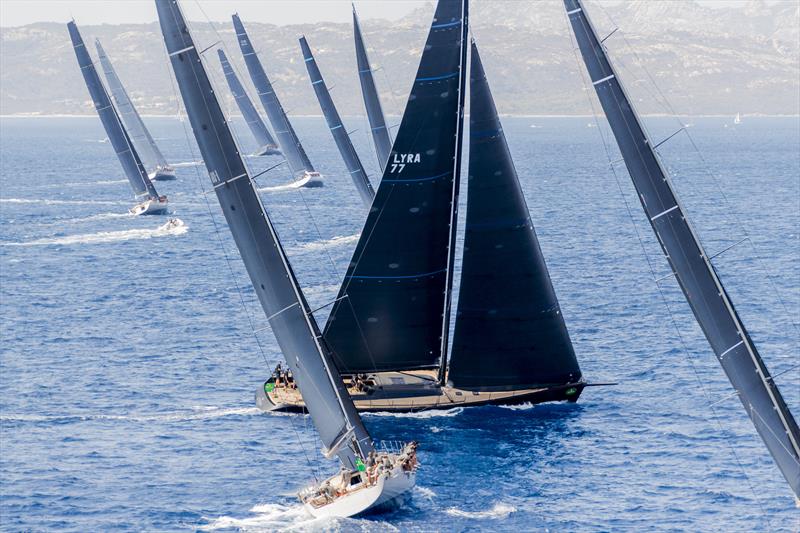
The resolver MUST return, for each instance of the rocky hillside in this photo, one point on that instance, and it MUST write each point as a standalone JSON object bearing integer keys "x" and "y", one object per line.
{"x": 705, "y": 61}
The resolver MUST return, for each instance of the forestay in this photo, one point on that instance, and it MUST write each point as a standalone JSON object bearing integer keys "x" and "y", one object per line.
{"x": 340, "y": 135}
{"x": 509, "y": 331}
{"x": 295, "y": 329}
{"x": 690, "y": 264}
{"x": 126, "y": 152}
{"x": 392, "y": 312}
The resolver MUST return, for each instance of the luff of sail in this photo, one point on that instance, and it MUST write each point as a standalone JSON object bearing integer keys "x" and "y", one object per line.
{"x": 152, "y": 158}
{"x": 340, "y": 135}
{"x": 509, "y": 331}
{"x": 280, "y": 296}
{"x": 392, "y": 312}
{"x": 266, "y": 144}
{"x": 126, "y": 152}
{"x": 372, "y": 102}
{"x": 287, "y": 139}
{"x": 690, "y": 264}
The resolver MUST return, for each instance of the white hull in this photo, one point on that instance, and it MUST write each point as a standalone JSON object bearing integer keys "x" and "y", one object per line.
{"x": 151, "y": 206}
{"x": 310, "y": 180}
{"x": 162, "y": 174}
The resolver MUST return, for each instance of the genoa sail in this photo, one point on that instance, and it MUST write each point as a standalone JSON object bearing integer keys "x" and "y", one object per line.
{"x": 257, "y": 127}
{"x": 152, "y": 158}
{"x": 120, "y": 141}
{"x": 287, "y": 139}
{"x": 377, "y": 121}
{"x": 339, "y": 426}
{"x": 690, "y": 264}
{"x": 340, "y": 135}
{"x": 392, "y": 312}
{"x": 509, "y": 331}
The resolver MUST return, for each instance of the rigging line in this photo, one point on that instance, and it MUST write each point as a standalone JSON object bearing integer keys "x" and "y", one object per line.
{"x": 768, "y": 274}
{"x": 664, "y": 300}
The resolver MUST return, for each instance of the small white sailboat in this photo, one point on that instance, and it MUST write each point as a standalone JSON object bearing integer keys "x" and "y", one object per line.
{"x": 369, "y": 479}
{"x": 737, "y": 119}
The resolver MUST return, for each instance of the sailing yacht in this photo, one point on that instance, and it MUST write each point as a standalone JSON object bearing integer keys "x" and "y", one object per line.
{"x": 369, "y": 479}
{"x": 737, "y": 119}
{"x": 154, "y": 161}
{"x": 150, "y": 202}
{"x": 388, "y": 328}
{"x": 299, "y": 164}
{"x": 266, "y": 143}
{"x": 689, "y": 262}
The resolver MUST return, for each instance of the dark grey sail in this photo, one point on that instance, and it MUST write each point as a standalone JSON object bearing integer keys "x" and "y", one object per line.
{"x": 690, "y": 264}
{"x": 340, "y": 135}
{"x": 126, "y": 152}
{"x": 509, "y": 331}
{"x": 377, "y": 122}
{"x": 287, "y": 139}
{"x": 152, "y": 158}
{"x": 393, "y": 307}
{"x": 283, "y": 302}
{"x": 266, "y": 144}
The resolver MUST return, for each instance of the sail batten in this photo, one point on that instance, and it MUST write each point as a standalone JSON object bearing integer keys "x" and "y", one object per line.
{"x": 334, "y": 121}
{"x": 692, "y": 267}
{"x": 331, "y": 409}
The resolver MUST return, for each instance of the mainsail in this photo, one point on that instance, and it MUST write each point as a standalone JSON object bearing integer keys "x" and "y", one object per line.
{"x": 331, "y": 409}
{"x": 393, "y": 311}
{"x": 287, "y": 139}
{"x": 152, "y": 158}
{"x": 509, "y": 331}
{"x": 690, "y": 264}
{"x": 126, "y": 152}
{"x": 340, "y": 135}
{"x": 257, "y": 127}
{"x": 377, "y": 122}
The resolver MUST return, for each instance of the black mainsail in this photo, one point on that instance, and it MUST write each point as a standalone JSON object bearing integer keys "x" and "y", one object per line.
{"x": 340, "y": 135}
{"x": 287, "y": 139}
{"x": 266, "y": 144}
{"x": 290, "y": 318}
{"x": 690, "y": 264}
{"x": 509, "y": 331}
{"x": 126, "y": 152}
{"x": 377, "y": 121}
{"x": 393, "y": 308}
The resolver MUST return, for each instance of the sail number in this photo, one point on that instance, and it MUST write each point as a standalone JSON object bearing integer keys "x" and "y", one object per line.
{"x": 399, "y": 162}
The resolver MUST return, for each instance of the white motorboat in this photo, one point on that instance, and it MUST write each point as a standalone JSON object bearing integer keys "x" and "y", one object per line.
{"x": 310, "y": 179}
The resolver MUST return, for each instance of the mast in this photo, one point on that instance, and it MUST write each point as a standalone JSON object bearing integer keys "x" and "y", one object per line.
{"x": 287, "y": 139}
{"x": 377, "y": 121}
{"x": 509, "y": 330}
{"x": 690, "y": 264}
{"x": 126, "y": 152}
{"x": 332, "y": 411}
{"x": 152, "y": 157}
{"x": 340, "y": 135}
{"x": 392, "y": 309}
{"x": 248, "y": 110}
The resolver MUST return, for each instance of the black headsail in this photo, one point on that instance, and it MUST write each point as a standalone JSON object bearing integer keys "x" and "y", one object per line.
{"x": 288, "y": 313}
{"x": 377, "y": 122}
{"x": 690, "y": 264}
{"x": 287, "y": 139}
{"x": 340, "y": 135}
{"x": 393, "y": 307}
{"x": 128, "y": 157}
{"x": 248, "y": 110}
{"x": 509, "y": 332}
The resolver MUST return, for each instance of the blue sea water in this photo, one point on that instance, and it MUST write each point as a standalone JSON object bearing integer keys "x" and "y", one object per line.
{"x": 128, "y": 361}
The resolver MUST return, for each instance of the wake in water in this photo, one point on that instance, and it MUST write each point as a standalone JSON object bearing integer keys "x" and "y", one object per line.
{"x": 196, "y": 413}
{"x": 327, "y": 243}
{"x": 187, "y": 164}
{"x": 286, "y": 187}
{"x": 433, "y": 413}
{"x": 499, "y": 511}
{"x": 173, "y": 227}
{"x": 55, "y": 202}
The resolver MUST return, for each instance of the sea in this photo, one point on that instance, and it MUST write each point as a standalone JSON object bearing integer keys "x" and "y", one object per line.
{"x": 131, "y": 350}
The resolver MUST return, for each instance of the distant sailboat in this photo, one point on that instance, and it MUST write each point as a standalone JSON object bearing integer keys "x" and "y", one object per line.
{"x": 267, "y": 145}
{"x": 150, "y": 201}
{"x": 299, "y": 164}
{"x": 154, "y": 161}
{"x": 372, "y": 102}
{"x": 340, "y": 135}
{"x": 369, "y": 480}
{"x": 690, "y": 264}
{"x": 737, "y": 119}
{"x": 389, "y": 326}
